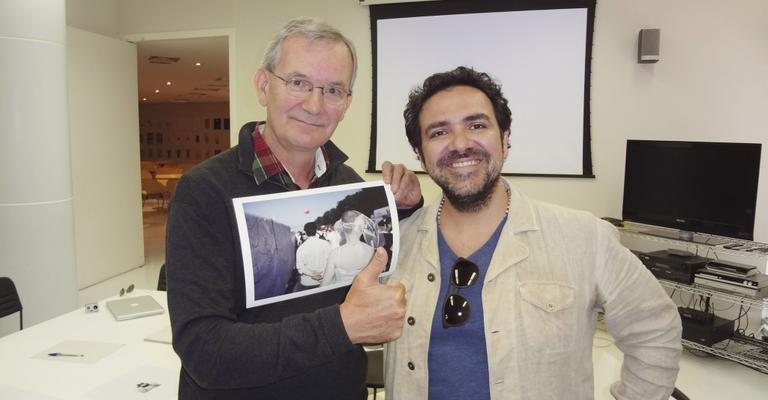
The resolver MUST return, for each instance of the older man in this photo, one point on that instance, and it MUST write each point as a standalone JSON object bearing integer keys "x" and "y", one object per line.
{"x": 305, "y": 348}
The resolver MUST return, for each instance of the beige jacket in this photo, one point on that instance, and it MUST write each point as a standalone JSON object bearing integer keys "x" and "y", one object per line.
{"x": 552, "y": 271}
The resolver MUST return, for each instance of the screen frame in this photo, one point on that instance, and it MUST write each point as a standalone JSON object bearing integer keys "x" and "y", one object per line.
{"x": 440, "y": 8}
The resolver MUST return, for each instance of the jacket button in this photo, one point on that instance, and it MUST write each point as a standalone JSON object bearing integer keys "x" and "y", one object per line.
{"x": 431, "y": 277}
{"x": 411, "y": 321}
{"x": 411, "y": 366}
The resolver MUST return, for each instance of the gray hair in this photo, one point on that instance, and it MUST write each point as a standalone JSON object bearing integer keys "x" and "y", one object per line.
{"x": 312, "y": 30}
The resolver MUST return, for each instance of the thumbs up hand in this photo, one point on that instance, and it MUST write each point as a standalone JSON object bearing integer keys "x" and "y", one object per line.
{"x": 372, "y": 312}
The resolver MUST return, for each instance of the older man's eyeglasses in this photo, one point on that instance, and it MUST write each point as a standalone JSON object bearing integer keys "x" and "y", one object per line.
{"x": 301, "y": 88}
{"x": 456, "y": 310}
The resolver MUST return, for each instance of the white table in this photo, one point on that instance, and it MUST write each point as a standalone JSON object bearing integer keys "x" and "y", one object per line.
{"x": 700, "y": 378}
{"x": 22, "y": 376}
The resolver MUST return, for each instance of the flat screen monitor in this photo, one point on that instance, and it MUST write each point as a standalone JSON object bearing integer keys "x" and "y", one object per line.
{"x": 702, "y": 187}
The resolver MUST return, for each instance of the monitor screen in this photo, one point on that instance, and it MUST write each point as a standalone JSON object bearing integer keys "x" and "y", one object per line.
{"x": 700, "y": 187}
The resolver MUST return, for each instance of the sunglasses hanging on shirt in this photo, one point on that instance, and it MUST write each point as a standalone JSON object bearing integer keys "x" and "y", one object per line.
{"x": 456, "y": 309}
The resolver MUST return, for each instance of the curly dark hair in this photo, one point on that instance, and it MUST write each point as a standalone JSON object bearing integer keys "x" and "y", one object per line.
{"x": 461, "y": 76}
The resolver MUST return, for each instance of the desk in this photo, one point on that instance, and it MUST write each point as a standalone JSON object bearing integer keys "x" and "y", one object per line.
{"x": 25, "y": 377}
{"x": 28, "y": 378}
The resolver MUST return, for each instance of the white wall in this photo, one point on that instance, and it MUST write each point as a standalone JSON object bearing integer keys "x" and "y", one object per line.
{"x": 98, "y": 16}
{"x": 709, "y": 84}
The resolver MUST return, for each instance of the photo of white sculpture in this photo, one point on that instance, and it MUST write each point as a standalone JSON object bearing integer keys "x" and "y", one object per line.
{"x": 304, "y": 242}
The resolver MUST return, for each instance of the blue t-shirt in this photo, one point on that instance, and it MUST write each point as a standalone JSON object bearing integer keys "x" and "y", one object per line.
{"x": 457, "y": 358}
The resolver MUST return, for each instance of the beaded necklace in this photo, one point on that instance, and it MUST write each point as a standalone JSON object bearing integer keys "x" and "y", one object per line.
{"x": 442, "y": 203}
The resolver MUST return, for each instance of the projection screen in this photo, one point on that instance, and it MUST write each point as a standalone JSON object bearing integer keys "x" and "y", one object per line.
{"x": 539, "y": 51}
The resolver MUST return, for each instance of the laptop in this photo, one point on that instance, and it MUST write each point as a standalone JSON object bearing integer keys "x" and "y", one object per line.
{"x": 134, "y": 307}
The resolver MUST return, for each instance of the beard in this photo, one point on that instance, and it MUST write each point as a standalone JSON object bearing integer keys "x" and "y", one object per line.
{"x": 459, "y": 189}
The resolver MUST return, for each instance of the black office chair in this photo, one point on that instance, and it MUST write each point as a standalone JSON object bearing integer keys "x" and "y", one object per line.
{"x": 679, "y": 395}
{"x": 9, "y": 300}
{"x": 375, "y": 377}
{"x": 161, "y": 283}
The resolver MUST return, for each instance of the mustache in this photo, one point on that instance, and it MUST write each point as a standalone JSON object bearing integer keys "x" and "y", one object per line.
{"x": 455, "y": 155}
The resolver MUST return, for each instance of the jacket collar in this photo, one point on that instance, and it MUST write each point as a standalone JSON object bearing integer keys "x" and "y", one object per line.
{"x": 510, "y": 249}
{"x": 521, "y": 217}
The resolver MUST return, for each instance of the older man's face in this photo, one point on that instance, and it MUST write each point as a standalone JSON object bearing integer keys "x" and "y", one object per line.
{"x": 304, "y": 123}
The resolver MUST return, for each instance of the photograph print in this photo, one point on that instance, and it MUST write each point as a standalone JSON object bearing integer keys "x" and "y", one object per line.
{"x": 309, "y": 241}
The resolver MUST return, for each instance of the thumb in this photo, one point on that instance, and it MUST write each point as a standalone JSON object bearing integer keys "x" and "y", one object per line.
{"x": 370, "y": 274}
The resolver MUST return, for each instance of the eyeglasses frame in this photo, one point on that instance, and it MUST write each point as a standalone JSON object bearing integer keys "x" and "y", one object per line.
{"x": 304, "y": 95}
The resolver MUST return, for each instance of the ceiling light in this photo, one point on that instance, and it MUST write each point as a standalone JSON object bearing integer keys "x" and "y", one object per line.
{"x": 143, "y": 99}
{"x": 168, "y": 83}
{"x": 198, "y": 64}
{"x": 157, "y": 90}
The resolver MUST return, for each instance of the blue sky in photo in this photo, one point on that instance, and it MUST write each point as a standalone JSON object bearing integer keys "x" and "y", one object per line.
{"x": 291, "y": 211}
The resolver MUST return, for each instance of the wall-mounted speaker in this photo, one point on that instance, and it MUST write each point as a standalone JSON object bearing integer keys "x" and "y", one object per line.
{"x": 648, "y": 46}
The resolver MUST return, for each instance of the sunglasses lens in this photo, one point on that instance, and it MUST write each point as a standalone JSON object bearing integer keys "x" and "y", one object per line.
{"x": 122, "y": 292}
{"x": 464, "y": 273}
{"x": 130, "y": 288}
{"x": 455, "y": 310}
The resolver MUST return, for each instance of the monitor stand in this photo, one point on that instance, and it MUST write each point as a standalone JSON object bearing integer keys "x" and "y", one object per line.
{"x": 687, "y": 236}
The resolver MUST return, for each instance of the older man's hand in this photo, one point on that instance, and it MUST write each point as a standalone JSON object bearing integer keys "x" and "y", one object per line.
{"x": 373, "y": 313}
{"x": 404, "y": 184}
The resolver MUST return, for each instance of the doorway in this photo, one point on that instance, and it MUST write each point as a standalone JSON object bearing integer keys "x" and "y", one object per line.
{"x": 184, "y": 118}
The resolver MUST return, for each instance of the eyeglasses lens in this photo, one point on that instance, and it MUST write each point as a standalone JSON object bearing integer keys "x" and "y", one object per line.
{"x": 456, "y": 311}
{"x": 464, "y": 273}
{"x": 301, "y": 88}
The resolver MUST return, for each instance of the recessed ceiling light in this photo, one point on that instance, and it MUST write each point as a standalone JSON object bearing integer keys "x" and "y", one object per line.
{"x": 143, "y": 99}
{"x": 168, "y": 83}
{"x": 198, "y": 64}
{"x": 157, "y": 90}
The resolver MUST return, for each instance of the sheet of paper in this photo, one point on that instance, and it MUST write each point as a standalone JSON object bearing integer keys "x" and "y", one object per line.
{"x": 144, "y": 382}
{"x": 78, "y": 352}
{"x": 164, "y": 335}
{"x": 304, "y": 242}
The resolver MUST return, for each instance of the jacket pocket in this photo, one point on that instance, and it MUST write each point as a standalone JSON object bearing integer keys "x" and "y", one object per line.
{"x": 548, "y": 315}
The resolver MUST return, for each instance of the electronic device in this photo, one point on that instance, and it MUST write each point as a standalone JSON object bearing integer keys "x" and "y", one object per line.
{"x": 134, "y": 307}
{"x": 755, "y": 281}
{"x": 648, "y": 45}
{"x": 724, "y": 286}
{"x": 731, "y": 269}
{"x": 92, "y": 307}
{"x": 703, "y": 187}
{"x": 666, "y": 264}
{"x": 707, "y": 333}
{"x": 704, "y": 317}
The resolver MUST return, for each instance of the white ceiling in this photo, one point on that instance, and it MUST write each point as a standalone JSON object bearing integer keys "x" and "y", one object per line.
{"x": 206, "y": 83}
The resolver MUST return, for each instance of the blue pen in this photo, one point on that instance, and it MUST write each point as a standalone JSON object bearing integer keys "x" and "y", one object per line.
{"x": 57, "y": 354}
